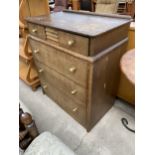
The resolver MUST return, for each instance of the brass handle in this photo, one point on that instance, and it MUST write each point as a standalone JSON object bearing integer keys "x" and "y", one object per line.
{"x": 34, "y": 30}
{"x": 40, "y": 70}
{"x": 71, "y": 42}
{"x": 73, "y": 92}
{"x": 72, "y": 69}
{"x": 36, "y": 51}
{"x": 44, "y": 86}
{"x": 75, "y": 109}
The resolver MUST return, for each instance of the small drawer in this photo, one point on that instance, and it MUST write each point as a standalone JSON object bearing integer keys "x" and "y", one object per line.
{"x": 70, "y": 66}
{"x": 69, "y": 87}
{"x": 68, "y": 104}
{"x": 74, "y": 43}
{"x": 37, "y": 30}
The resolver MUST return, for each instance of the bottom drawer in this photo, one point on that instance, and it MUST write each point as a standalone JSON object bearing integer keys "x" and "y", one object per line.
{"x": 68, "y": 104}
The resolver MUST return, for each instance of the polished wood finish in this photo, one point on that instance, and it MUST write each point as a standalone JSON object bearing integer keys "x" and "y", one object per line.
{"x": 25, "y": 143}
{"x": 29, "y": 124}
{"x": 83, "y": 85}
{"x": 32, "y": 8}
{"x": 27, "y": 129}
{"x": 75, "y": 4}
{"x": 126, "y": 90}
{"x": 127, "y": 64}
{"x": 22, "y": 134}
{"x": 27, "y": 69}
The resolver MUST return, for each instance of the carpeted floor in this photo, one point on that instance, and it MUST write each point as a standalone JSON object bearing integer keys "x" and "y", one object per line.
{"x": 108, "y": 137}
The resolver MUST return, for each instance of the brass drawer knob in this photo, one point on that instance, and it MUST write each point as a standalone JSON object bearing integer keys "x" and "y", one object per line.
{"x": 36, "y": 51}
{"x": 44, "y": 86}
{"x": 75, "y": 109}
{"x": 34, "y": 30}
{"x": 40, "y": 70}
{"x": 72, "y": 69}
{"x": 73, "y": 92}
{"x": 71, "y": 42}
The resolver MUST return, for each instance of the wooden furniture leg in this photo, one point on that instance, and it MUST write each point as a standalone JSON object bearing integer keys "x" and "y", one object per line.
{"x": 27, "y": 129}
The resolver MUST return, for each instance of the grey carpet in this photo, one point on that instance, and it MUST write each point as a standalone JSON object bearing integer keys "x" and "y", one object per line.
{"x": 108, "y": 137}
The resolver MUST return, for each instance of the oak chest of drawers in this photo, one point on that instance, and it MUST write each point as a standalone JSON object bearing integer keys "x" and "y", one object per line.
{"x": 77, "y": 55}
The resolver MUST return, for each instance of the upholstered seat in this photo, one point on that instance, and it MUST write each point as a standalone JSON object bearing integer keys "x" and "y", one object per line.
{"x": 106, "y": 6}
{"x": 48, "y": 144}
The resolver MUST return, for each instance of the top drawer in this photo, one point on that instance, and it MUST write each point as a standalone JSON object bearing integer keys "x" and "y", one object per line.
{"x": 69, "y": 41}
{"x": 37, "y": 30}
{"x": 74, "y": 42}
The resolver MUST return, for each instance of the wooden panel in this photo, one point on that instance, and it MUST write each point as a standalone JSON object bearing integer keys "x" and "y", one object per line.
{"x": 39, "y": 7}
{"x": 73, "y": 42}
{"x": 24, "y": 12}
{"x": 71, "y": 67}
{"x": 68, "y": 104}
{"x": 69, "y": 87}
{"x": 33, "y": 8}
{"x": 100, "y": 43}
{"x": 37, "y": 30}
{"x": 106, "y": 74}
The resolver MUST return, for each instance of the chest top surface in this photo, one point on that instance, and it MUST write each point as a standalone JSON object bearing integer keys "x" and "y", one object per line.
{"x": 83, "y": 23}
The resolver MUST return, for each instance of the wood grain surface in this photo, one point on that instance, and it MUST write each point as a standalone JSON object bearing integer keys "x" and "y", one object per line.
{"x": 128, "y": 65}
{"x": 85, "y": 24}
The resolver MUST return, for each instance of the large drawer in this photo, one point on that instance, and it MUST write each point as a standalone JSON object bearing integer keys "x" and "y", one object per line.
{"x": 69, "y": 87}
{"x": 68, "y": 104}
{"x": 71, "y": 67}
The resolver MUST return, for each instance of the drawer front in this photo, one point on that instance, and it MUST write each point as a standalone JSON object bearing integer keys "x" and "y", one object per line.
{"x": 37, "y": 30}
{"x": 74, "y": 43}
{"x": 68, "y": 104}
{"x": 69, "y": 87}
{"x": 71, "y": 67}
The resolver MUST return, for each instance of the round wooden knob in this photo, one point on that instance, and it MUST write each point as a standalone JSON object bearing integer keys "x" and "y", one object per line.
{"x": 71, "y": 42}
{"x": 72, "y": 69}
{"x": 73, "y": 92}
{"x": 40, "y": 70}
{"x": 36, "y": 51}
{"x": 75, "y": 109}
{"x": 26, "y": 118}
{"x": 34, "y": 30}
{"x": 45, "y": 86}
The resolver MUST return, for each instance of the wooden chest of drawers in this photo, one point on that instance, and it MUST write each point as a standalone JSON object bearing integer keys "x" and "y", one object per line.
{"x": 77, "y": 56}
